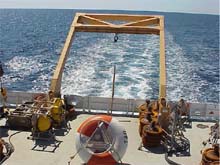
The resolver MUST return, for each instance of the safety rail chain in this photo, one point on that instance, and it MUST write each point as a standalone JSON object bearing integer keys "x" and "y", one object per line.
{"x": 127, "y": 107}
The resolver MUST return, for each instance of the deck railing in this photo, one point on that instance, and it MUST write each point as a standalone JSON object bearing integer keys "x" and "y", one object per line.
{"x": 121, "y": 106}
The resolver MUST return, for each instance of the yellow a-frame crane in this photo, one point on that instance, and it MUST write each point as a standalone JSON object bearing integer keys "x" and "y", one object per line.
{"x": 135, "y": 24}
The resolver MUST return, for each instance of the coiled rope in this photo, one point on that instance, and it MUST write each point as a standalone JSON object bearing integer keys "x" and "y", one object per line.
{"x": 9, "y": 147}
{"x": 182, "y": 144}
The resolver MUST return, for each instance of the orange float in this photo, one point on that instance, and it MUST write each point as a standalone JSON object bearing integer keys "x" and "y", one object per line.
{"x": 210, "y": 156}
{"x": 151, "y": 135}
{"x": 1, "y": 149}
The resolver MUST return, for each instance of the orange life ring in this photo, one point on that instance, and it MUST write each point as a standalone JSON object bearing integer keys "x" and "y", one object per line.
{"x": 91, "y": 140}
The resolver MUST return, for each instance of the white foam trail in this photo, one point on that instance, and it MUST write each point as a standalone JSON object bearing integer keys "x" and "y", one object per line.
{"x": 89, "y": 69}
{"x": 23, "y": 66}
{"x": 32, "y": 73}
{"x": 132, "y": 67}
{"x": 181, "y": 78}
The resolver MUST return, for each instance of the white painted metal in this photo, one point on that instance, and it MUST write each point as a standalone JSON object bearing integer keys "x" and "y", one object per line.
{"x": 201, "y": 111}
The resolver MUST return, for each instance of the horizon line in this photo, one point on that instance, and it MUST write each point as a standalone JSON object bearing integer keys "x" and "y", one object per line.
{"x": 180, "y": 12}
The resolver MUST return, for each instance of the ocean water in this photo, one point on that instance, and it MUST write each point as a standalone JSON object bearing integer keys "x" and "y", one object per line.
{"x": 31, "y": 42}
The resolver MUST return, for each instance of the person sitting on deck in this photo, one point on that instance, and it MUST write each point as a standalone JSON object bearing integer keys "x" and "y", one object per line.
{"x": 50, "y": 95}
{"x": 144, "y": 107}
{"x": 164, "y": 114}
{"x": 149, "y": 116}
{"x": 183, "y": 108}
{"x": 145, "y": 119}
{"x": 4, "y": 95}
{"x": 184, "y": 112}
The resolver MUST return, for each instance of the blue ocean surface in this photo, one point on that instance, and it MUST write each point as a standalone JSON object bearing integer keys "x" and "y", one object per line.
{"x": 31, "y": 41}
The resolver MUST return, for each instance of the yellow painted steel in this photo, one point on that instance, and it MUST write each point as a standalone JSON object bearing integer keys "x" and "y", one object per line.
{"x": 57, "y": 77}
{"x": 162, "y": 87}
{"x": 58, "y": 102}
{"x": 118, "y": 17}
{"x": 57, "y": 110}
{"x": 56, "y": 113}
{"x": 43, "y": 123}
{"x": 102, "y": 23}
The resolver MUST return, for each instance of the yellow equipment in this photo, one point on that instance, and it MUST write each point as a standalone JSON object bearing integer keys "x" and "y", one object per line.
{"x": 56, "y": 114}
{"x": 43, "y": 123}
{"x": 50, "y": 116}
{"x": 57, "y": 111}
{"x": 149, "y": 128}
{"x": 58, "y": 102}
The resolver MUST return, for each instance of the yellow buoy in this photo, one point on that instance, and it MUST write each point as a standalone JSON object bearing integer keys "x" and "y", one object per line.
{"x": 56, "y": 113}
{"x": 58, "y": 102}
{"x": 43, "y": 123}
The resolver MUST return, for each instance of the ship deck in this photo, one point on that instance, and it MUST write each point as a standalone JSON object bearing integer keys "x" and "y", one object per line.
{"x": 32, "y": 152}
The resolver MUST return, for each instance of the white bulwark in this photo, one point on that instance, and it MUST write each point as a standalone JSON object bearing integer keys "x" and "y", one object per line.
{"x": 127, "y": 107}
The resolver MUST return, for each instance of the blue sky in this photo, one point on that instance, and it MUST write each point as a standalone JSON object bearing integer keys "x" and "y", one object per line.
{"x": 185, "y": 6}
